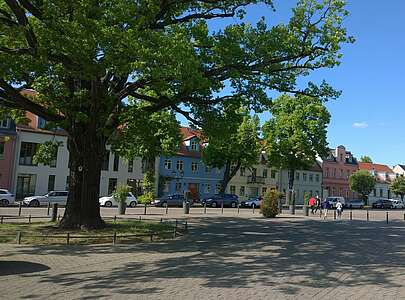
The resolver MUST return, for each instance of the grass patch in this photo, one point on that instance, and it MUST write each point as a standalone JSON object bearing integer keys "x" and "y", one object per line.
{"x": 49, "y": 233}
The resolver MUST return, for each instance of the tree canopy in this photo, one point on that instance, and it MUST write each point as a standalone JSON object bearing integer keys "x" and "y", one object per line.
{"x": 85, "y": 59}
{"x": 366, "y": 159}
{"x": 362, "y": 182}
{"x": 398, "y": 186}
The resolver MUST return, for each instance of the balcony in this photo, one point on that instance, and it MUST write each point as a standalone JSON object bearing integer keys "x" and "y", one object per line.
{"x": 255, "y": 179}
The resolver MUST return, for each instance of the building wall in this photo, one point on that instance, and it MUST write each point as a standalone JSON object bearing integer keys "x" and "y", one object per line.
{"x": 7, "y": 162}
{"x": 399, "y": 170}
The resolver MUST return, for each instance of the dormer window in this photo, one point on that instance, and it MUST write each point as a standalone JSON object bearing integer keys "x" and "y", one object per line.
{"x": 5, "y": 123}
{"x": 41, "y": 123}
{"x": 194, "y": 145}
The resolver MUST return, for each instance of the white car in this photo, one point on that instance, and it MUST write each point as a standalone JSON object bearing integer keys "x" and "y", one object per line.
{"x": 335, "y": 199}
{"x": 397, "y": 204}
{"x": 109, "y": 200}
{"x": 6, "y": 198}
{"x": 59, "y": 197}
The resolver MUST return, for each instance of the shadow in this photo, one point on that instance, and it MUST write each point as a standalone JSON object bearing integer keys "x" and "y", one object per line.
{"x": 20, "y": 267}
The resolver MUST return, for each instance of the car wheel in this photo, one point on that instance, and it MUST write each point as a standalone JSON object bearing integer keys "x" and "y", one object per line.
{"x": 4, "y": 202}
{"x": 132, "y": 204}
{"x": 233, "y": 204}
{"x": 108, "y": 204}
{"x": 214, "y": 204}
{"x": 34, "y": 203}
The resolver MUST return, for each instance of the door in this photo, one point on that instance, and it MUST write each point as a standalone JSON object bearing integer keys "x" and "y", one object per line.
{"x": 25, "y": 186}
{"x": 193, "y": 188}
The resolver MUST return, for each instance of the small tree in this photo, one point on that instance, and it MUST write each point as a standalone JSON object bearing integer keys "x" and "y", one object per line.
{"x": 398, "y": 186}
{"x": 363, "y": 183}
{"x": 120, "y": 196}
{"x": 366, "y": 159}
{"x": 148, "y": 188}
{"x": 269, "y": 205}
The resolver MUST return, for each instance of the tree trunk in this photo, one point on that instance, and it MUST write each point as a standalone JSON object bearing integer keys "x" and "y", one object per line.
{"x": 228, "y": 175}
{"x": 289, "y": 195}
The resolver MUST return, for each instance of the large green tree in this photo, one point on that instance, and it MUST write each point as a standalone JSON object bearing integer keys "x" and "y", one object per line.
{"x": 85, "y": 58}
{"x": 362, "y": 182}
{"x": 366, "y": 159}
{"x": 233, "y": 143}
{"x": 296, "y": 134}
{"x": 398, "y": 186}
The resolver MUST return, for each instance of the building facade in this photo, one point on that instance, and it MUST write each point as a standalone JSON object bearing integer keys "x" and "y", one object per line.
{"x": 185, "y": 171}
{"x": 8, "y": 137}
{"x": 399, "y": 170}
{"x": 337, "y": 168}
{"x": 307, "y": 181}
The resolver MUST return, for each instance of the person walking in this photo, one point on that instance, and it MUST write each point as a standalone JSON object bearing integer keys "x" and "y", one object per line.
{"x": 318, "y": 204}
{"x": 325, "y": 208}
{"x": 312, "y": 204}
{"x": 339, "y": 208}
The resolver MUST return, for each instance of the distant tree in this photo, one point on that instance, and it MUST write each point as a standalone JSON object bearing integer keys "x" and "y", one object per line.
{"x": 398, "y": 186}
{"x": 296, "y": 134}
{"x": 362, "y": 182}
{"x": 366, "y": 159}
{"x": 234, "y": 144}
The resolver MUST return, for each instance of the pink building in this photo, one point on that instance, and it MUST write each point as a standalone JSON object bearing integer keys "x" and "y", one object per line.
{"x": 7, "y": 152}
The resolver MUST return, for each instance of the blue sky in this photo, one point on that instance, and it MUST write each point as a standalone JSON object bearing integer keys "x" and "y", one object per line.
{"x": 367, "y": 118}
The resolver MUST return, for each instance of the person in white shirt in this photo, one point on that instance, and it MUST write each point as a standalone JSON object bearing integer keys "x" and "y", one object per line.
{"x": 339, "y": 207}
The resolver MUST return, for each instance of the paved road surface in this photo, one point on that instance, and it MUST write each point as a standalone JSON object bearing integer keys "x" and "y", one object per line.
{"x": 222, "y": 258}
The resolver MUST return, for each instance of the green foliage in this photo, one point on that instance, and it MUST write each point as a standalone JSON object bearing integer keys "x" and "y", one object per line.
{"x": 296, "y": 134}
{"x": 398, "y": 186}
{"x": 47, "y": 152}
{"x": 362, "y": 182}
{"x": 269, "y": 205}
{"x": 146, "y": 198}
{"x": 149, "y": 182}
{"x": 121, "y": 193}
{"x": 306, "y": 198}
{"x": 366, "y": 159}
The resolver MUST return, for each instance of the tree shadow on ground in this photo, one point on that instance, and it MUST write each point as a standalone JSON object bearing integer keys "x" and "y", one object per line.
{"x": 10, "y": 267}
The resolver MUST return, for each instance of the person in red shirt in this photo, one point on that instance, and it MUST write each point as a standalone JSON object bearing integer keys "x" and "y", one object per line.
{"x": 312, "y": 204}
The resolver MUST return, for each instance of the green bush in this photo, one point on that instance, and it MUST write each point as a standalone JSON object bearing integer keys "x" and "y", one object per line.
{"x": 306, "y": 198}
{"x": 146, "y": 198}
{"x": 121, "y": 192}
{"x": 269, "y": 206}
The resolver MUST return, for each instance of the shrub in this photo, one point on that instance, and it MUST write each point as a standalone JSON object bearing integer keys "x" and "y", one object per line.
{"x": 121, "y": 193}
{"x": 269, "y": 206}
{"x": 146, "y": 198}
{"x": 306, "y": 198}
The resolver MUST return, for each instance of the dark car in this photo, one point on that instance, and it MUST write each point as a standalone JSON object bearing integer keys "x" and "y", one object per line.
{"x": 228, "y": 200}
{"x": 382, "y": 203}
{"x": 169, "y": 200}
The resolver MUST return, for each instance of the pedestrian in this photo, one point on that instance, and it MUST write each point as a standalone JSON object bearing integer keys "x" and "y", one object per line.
{"x": 325, "y": 208}
{"x": 318, "y": 204}
{"x": 339, "y": 208}
{"x": 312, "y": 204}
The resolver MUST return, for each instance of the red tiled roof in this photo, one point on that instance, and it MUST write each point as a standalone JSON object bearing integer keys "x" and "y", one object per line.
{"x": 189, "y": 133}
{"x": 376, "y": 167}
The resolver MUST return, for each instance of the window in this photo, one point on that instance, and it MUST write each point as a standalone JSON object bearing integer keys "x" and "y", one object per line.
{"x": 179, "y": 165}
{"x": 207, "y": 188}
{"x": 51, "y": 183}
{"x": 374, "y": 192}
{"x": 116, "y": 162}
{"x": 265, "y": 173}
{"x": 194, "y": 166}
{"x": 311, "y": 177}
{"x": 232, "y": 189}
{"x": 254, "y": 171}
{"x": 207, "y": 169}
{"x": 130, "y": 166}
{"x": 112, "y": 184}
{"x": 25, "y": 185}
{"x": 218, "y": 170}
{"x": 27, "y": 152}
{"x": 194, "y": 145}
{"x": 273, "y": 174}
{"x": 178, "y": 187}
{"x": 242, "y": 191}
{"x": 297, "y": 176}
{"x": 264, "y": 190}
{"x": 242, "y": 171}
{"x": 41, "y": 123}
{"x": 348, "y": 174}
{"x": 233, "y": 166}
{"x": 381, "y": 192}
{"x": 167, "y": 164}
{"x": 5, "y": 123}
{"x": 53, "y": 162}
{"x": 106, "y": 161}
{"x": 217, "y": 188}
{"x": 317, "y": 193}
{"x": 341, "y": 173}
{"x": 317, "y": 177}
{"x": 334, "y": 172}
{"x": 327, "y": 172}
{"x": 2, "y": 150}
{"x": 304, "y": 176}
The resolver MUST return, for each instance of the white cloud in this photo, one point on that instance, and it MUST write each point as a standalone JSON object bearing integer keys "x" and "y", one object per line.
{"x": 360, "y": 125}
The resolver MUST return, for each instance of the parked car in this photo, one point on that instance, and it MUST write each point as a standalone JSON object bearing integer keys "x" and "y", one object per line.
{"x": 383, "y": 203}
{"x": 397, "y": 204}
{"x": 169, "y": 200}
{"x": 252, "y": 202}
{"x": 59, "y": 197}
{"x": 6, "y": 198}
{"x": 228, "y": 200}
{"x": 334, "y": 200}
{"x": 355, "y": 204}
{"x": 109, "y": 200}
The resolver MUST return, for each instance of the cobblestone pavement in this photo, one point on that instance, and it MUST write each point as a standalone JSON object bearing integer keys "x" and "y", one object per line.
{"x": 223, "y": 257}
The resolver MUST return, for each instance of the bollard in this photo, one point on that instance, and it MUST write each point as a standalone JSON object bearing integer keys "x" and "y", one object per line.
{"x": 140, "y": 218}
{"x": 144, "y": 212}
{"x": 161, "y": 220}
{"x": 387, "y": 216}
{"x": 238, "y": 208}
{"x": 174, "y": 232}
{"x": 58, "y": 218}
{"x": 151, "y": 237}
{"x": 49, "y": 207}
{"x": 222, "y": 207}
{"x": 29, "y": 219}
{"x": 167, "y": 209}
{"x": 114, "y": 238}
{"x": 19, "y": 208}
{"x": 67, "y": 238}
{"x": 176, "y": 225}
{"x": 351, "y": 215}
{"x": 205, "y": 208}
{"x": 253, "y": 208}
{"x": 368, "y": 218}
{"x": 186, "y": 226}
{"x": 54, "y": 212}
{"x": 1, "y": 220}
{"x": 18, "y": 238}
{"x": 404, "y": 217}
{"x": 334, "y": 215}
{"x": 115, "y": 219}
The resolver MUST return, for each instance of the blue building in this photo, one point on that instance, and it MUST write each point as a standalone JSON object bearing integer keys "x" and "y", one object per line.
{"x": 186, "y": 171}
